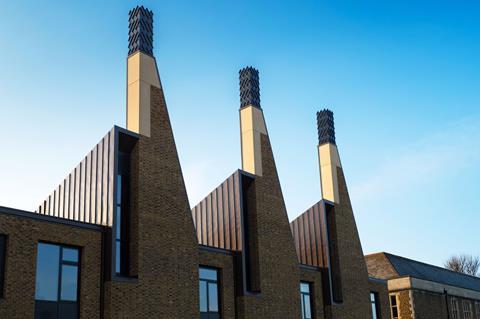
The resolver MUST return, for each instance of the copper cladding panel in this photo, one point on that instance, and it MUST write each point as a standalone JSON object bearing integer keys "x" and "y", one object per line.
{"x": 86, "y": 194}
{"x": 217, "y": 217}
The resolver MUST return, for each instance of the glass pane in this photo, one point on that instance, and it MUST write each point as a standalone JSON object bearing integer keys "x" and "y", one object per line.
{"x": 119, "y": 189}
{"x": 212, "y": 297}
{"x": 207, "y": 273}
{"x": 393, "y": 300}
{"x": 46, "y": 281}
{"x": 203, "y": 296}
{"x": 374, "y": 311}
{"x": 70, "y": 254}
{"x": 118, "y": 246}
{"x": 118, "y": 222}
{"x": 69, "y": 283}
{"x": 303, "y": 307}
{"x": 395, "y": 312}
{"x": 308, "y": 309}
{"x": 67, "y": 310}
{"x": 305, "y": 287}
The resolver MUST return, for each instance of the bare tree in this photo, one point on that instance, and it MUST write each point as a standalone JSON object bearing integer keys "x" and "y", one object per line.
{"x": 466, "y": 264}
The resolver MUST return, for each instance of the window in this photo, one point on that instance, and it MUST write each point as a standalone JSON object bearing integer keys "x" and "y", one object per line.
{"x": 121, "y": 215}
{"x": 209, "y": 301}
{"x": 56, "y": 291}
{"x": 375, "y": 305}
{"x": 455, "y": 312}
{"x": 306, "y": 300}
{"x": 3, "y": 250}
{"x": 394, "y": 306}
{"x": 467, "y": 309}
{"x": 477, "y": 309}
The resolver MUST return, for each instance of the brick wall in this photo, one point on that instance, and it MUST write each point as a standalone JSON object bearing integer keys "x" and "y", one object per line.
{"x": 167, "y": 245}
{"x": 278, "y": 267}
{"x": 21, "y": 258}
{"x": 224, "y": 262}
{"x": 314, "y": 276}
{"x": 356, "y": 293}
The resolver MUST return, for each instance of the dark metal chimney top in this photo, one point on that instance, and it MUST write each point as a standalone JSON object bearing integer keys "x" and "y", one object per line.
{"x": 140, "y": 33}
{"x": 249, "y": 87}
{"x": 326, "y": 127}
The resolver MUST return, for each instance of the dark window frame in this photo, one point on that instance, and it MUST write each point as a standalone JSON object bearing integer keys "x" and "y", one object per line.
{"x": 211, "y": 314}
{"x": 311, "y": 301}
{"x": 122, "y": 203}
{"x": 394, "y": 308}
{"x": 3, "y": 262}
{"x": 60, "y": 264}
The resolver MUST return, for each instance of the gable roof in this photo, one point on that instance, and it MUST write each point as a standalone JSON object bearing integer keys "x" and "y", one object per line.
{"x": 408, "y": 267}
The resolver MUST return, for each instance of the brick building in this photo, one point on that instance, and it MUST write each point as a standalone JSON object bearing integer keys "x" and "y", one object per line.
{"x": 420, "y": 291}
{"x": 118, "y": 239}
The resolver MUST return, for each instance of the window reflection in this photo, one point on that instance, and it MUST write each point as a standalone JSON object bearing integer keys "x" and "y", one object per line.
{"x": 306, "y": 300}
{"x": 209, "y": 299}
{"x": 56, "y": 291}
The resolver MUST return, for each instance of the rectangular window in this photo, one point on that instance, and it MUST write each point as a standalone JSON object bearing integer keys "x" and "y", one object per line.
{"x": 454, "y": 306}
{"x": 209, "y": 300}
{"x": 3, "y": 253}
{"x": 477, "y": 309}
{"x": 375, "y": 305}
{"x": 467, "y": 309}
{"x": 306, "y": 300}
{"x": 394, "y": 306}
{"x": 56, "y": 286}
{"x": 121, "y": 215}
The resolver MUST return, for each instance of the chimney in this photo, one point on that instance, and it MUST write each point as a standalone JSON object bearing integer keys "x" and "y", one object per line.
{"x": 329, "y": 160}
{"x": 252, "y": 122}
{"x": 142, "y": 70}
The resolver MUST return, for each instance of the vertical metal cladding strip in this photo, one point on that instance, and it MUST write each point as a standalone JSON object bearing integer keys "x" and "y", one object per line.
{"x": 221, "y": 225}
{"x": 77, "y": 192}
{"x": 88, "y": 185}
{"x": 238, "y": 211}
{"x": 61, "y": 201}
{"x": 82, "y": 191}
{"x": 71, "y": 201}
{"x": 316, "y": 229}
{"x": 302, "y": 240}
{"x": 204, "y": 222}
{"x": 93, "y": 196}
{"x": 313, "y": 237}
{"x": 67, "y": 197}
{"x": 98, "y": 213}
{"x": 209, "y": 220}
{"x": 111, "y": 177}
{"x": 226, "y": 215}
{"x": 308, "y": 245}
{"x": 233, "y": 221}
{"x": 48, "y": 205}
{"x": 198, "y": 226}
{"x": 306, "y": 234}
{"x": 57, "y": 204}
{"x": 106, "y": 144}
{"x": 54, "y": 203}
{"x": 215, "y": 218}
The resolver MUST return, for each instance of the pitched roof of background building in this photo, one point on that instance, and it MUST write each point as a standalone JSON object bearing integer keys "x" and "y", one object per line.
{"x": 408, "y": 267}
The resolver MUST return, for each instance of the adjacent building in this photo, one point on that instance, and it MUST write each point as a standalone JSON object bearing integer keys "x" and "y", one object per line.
{"x": 422, "y": 291}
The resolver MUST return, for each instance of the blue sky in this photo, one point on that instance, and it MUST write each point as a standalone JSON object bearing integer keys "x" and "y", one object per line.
{"x": 401, "y": 77}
